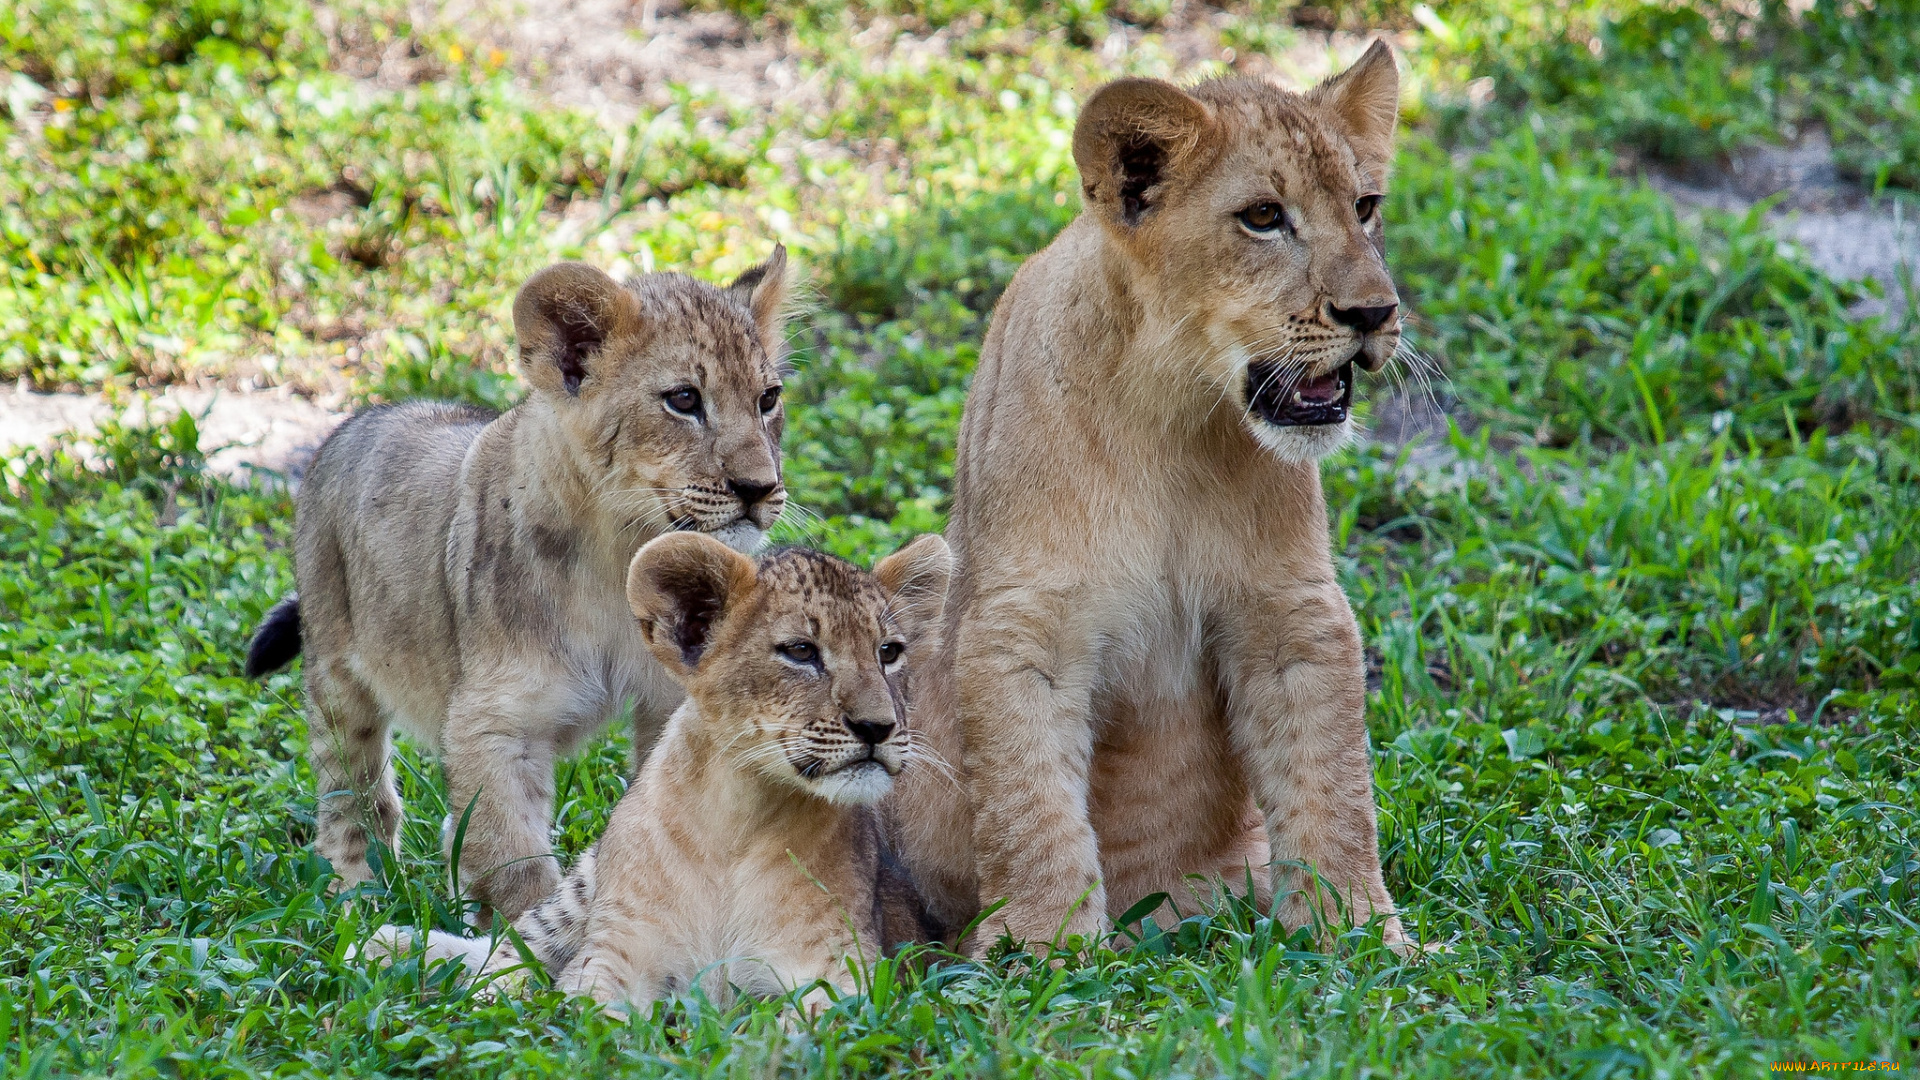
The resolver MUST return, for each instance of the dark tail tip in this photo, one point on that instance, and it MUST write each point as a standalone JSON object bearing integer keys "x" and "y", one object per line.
{"x": 277, "y": 640}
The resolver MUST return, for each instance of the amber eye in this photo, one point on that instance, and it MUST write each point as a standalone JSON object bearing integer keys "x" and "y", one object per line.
{"x": 1264, "y": 217}
{"x": 800, "y": 652}
{"x": 890, "y": 651}
{"x": 684, "y": 400}
{"x": 769, "y": 398}
{"x": 1366, "y": 206}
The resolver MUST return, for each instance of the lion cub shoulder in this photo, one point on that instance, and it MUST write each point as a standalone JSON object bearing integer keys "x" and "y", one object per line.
{"x": 749, "y": 853}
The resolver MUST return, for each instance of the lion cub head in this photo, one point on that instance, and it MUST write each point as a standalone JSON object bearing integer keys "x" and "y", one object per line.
{"x": 1253, "y": 218}
{"x": 667, "y": 391}
{"x": 797, "y": 663}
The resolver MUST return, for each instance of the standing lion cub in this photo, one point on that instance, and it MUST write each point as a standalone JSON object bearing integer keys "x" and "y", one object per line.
{"x": 460, "y": 574}
{"x": 748, "y": 853}
{"x": 1157, "y": 677}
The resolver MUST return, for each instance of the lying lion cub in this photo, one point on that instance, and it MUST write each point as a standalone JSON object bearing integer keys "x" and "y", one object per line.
{"x": 748, "y": 853}
{"x": 459, "y": 574}
{"x": 1157, "y": 677}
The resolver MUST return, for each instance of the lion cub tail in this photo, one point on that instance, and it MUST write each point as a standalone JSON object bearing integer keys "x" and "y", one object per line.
{"x": 555, "y": 928}
{"x": 479, "y": 955}
{"x": 276, "y": 641}
{"x": 553, "y": 931}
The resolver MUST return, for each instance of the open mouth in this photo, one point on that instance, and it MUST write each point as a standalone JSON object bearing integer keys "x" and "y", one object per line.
{"x": 1299, "y": 400}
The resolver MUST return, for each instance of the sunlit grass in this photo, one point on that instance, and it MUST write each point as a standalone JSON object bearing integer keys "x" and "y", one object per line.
{"x": 1643, "y": 627}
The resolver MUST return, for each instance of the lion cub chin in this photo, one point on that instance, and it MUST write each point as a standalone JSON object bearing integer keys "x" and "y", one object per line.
{"x": 748, "y": 855}
{"x": 459, "y": 573}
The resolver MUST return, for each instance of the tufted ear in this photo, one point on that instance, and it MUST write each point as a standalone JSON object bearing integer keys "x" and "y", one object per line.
{"x": 763, "y": 289}
{"x": 1363, "y": 102}
{"x": 681, "y": 586}
{"x": 915, "y": 579}
{"x": 1133, "y": 136}
{"x": 563, "y": 316}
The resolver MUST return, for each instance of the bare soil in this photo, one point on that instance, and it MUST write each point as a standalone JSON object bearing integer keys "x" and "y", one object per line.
{"x": 1846, "y": 232}
{"x": 248, "y": 436}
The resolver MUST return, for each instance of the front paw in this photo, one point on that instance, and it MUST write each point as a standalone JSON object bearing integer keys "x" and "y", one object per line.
{"x": 1406, "y": 946}
{"x": 1052, "y": 940}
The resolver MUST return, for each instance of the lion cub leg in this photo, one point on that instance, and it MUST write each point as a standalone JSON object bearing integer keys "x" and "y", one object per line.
{"x": 352, "y": 771}
{"x": 624, "y": 960}
{"x": 501, "y": 765}
{"x": 1025, "y": 669}
{"x": 1296, "y": 704}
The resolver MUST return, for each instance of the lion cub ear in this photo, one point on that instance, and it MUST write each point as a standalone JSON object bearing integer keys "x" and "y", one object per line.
{"x": 1133, "y": 136}
{"x": 1364, "y": 104}
{"x": 763, "y": 290}
{"x": 564, "y": 316}
{"x": 681, "y": 587}
{"x": 915, "y": 579}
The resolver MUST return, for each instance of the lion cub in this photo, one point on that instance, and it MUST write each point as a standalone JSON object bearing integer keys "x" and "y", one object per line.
{"x": 748, "y": 854}
{"x": 1156, "y": 683}
{"x": 459, "y": 573}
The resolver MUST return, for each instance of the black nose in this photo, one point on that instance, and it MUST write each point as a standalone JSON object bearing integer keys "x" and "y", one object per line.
{"x": 1364, "y": 319}
{"x": 749, "y": 492}
{"x": 870, "y": 733}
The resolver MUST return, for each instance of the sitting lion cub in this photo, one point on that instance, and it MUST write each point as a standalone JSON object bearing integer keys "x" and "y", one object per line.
{"x": 1156, "y": 684}
{"x": 459, "y": 573}
{"x": 748, "y": 853}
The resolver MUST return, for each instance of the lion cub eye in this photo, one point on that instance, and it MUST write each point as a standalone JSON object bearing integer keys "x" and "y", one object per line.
{"x": 1366, "y": 206}
{"x": 769, "y": 398}
{"x": 684, "y": 400}
{"x": 890, "y": 651}
{"x": 1264, "y": 217}
{"x": 800, "y": 652}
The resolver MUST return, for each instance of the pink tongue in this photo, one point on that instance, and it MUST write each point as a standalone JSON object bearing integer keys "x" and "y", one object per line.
{"x": 1324, "y": 388}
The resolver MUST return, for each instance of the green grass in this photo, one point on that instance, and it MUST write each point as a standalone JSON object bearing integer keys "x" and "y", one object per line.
{"x": 1691, "y": 81}
{"x": 1644, "y": 623}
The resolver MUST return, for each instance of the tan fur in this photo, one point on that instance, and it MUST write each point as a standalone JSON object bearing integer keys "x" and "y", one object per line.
{"x": 748, "y": 853}
{"x": 1154, "y": 670}
{"x": 460, "y": 575}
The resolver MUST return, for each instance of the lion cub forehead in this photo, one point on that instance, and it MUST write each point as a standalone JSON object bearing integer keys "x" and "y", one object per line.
{"x": 831, "y": 592}
{"x": 698, "y": 315}
{"x": 1261, "y": 117}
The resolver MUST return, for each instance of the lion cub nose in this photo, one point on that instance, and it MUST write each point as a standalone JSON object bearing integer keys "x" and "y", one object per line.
{"x": 870, "y": 733}
{"x": 749, "y": 492}
{"x": 1364, "y": 319}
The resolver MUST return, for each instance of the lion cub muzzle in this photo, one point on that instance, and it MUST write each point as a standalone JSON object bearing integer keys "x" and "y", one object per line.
{"x": 738, "y": 514}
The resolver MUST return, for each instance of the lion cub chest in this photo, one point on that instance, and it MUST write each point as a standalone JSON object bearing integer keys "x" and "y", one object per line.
{"x": 770, "y": 929}
{"x": 691, "y": 911}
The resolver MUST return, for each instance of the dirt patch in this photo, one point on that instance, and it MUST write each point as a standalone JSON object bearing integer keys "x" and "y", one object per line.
{"x": 246, "y": 436}
{"x": 1846, "y": 232}
{"x": 620, "y": 58}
